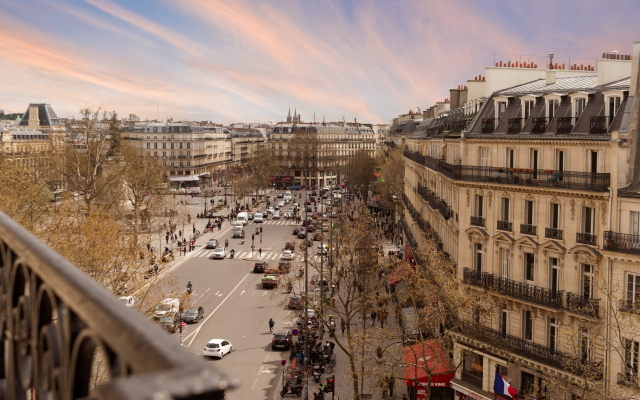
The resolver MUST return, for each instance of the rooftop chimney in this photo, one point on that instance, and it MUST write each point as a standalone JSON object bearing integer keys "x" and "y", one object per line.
{"x": 550, "y": 62}
{"x": 551, "y": 76}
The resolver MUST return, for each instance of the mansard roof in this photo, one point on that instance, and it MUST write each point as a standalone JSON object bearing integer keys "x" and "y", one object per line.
{"x": 46, "y": 115}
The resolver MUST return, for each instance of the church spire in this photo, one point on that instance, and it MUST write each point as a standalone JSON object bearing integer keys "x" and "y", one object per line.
{"x": 289, "y": 116}
{"x": 295, "y": 115}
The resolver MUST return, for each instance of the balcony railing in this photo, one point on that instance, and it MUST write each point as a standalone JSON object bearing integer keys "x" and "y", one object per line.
{"x": 488, "y": 125}
{"x": 598, "y": 125}
{"x": 539, "y": 352}
{"x": 565, "y": 124}
{"x": 581, "y": 305}
{"x": 56, "y": 318}
{"x": 629, "y": 306}
{"x": 621, "y": 242}
{"x": 539, "y": 125}
{"x": 504, "y": 226}
{"x": 570, "y": 180}
{"x": 444, "y": 209}
{"x": 477, "y": 221}
{"x": 515, "y": 125}
{"x": 518, "y": 290}
{"x": 586, "y": 238}
{"x": 434, "y": 201}
{"x": 629, "y": 380}
{"x": 553, "y": 233}
{"x": 528, "y": 229}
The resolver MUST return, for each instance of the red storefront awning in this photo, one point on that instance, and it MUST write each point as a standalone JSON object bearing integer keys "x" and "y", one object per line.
{"x": 436, "y": 360}
{"x": 288, "y": 178}
{"x": 402, "y": 270}
{"x": 272, "y": 178}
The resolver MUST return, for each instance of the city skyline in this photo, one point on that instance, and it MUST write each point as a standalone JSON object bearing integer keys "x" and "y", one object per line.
{"x": 207, "y": 60}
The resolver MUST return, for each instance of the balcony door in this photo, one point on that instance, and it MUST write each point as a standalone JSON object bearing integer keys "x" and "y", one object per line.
{"x": 485, "y": 161}
{"x": 529, "y": 265}
{"x": 554, "y": 274}
{"x": 588, "y": 220}
{"x": 528, "y": 212}
{"x": 527, "y": 107}
{"x": 554, "y": 219}
{"x": 502, "y": 107}
{"x": 587, "y": 281}
{"x": 552, "y": 108}
{"x": 478, "y": 256}
{"x": 630, "y": 359}
{"x": 635, "y": 230}
{"x": 553, "y": 334}
{"x": 510, "y": 158}
{"x": 560, "y": 164}
{"x": 534, "y": 162}
{"x": 594, "y": 161}
{"x": 612, "y": 108}
{"x": 578, "y": 108}
{"x": 504, "y": 323}
{"x": 633, "y": 291}
{"x": 527, "y": 325}
{"x": 505, "y": 255}
{"x": 479, "y": 206}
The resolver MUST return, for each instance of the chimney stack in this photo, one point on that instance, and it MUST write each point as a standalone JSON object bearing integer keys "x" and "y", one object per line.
{"x": 550, "y": 60}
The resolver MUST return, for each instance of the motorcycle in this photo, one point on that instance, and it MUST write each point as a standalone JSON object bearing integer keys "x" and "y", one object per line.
{"x": 290, "y": 288}
{"x": 319, "y": 395}
{"x": 293, "y": 389}
{"x": 317, "y": 368}
{"x": 300, "y": 271}
{"x": 233, "y": 253}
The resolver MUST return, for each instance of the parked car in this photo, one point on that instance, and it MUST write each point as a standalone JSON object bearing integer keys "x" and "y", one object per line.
{"x": 211, "y": 244}
{"x": 302, "y": 234}
{"x": 296, "y": 230}
{"x": 217, "y": 348}
{"x": 282, "y": 340}
{"x": 260, "y": 266}
{"x": 193, "y": 314}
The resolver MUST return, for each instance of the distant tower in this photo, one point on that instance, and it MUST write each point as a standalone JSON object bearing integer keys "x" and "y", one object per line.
{"x": 295, "y": 116}
{"x": 289, "y": 116}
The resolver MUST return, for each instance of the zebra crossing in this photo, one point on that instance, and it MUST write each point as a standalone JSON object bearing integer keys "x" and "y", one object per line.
{"x": 275, "y": 222}
{"x": 266, "y": 255}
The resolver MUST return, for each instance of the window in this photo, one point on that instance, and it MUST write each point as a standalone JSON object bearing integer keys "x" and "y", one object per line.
{"x": 527, "y": 383}
{"x": 630, "y": 359}
{"x": 180, "y": 145}
{"x": 584, "y": 345}
{"x": 635, "y": 224}
{"x": 553, "y": 334}
{"x": 188, "y": 163}
{"x": 504, "y": 323}
{"x": 528, "y": 212}
{"x": 594, "y": 161}
{"x": 612, "y": 108}
{"x": 164, "y": 145}
{"x": 180, "y": 154}
{"x": 172, "y": 144}
{"x": 484, "y": 156}
{"x": 552, "y": 107}
{"x": 472, "y": 369}
{"x": 527, "y": 107}
{"x": 578, "y": 106}
{"x": 172, "y": 164}
{"x": 554, "y": 216}
{"x": 479, "y": 203}
{"x": 164, "y": 154}
{"x": 155, "y": 154}
{"x": 633, "y": 290}
{"x": 172, "y": 154}
{"x": 554, "y": 274}
{"x": 511, "y": 158}
{"x": 505, "y": 256}
{"x": 533, "y": 159}
{"x": 527, "y": 325}
{"x": 529, "y": 263}
{"x": 155, "y": 145}
{"x": 148, "y": 137}
{"x": 588, "y": 220}
{"x": 478, "y": 255}
{"x": 502, "y": 107}
{"x": 148, "y": 145}
{"x": 188, "y": 154}
{"x": 181, "y": 163}
{"x": 505, "y": 209}
{"x": 560, "y": 160}
{"x": 587, "y": 281}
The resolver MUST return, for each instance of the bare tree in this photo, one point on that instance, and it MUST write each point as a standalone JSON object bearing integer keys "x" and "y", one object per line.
{"x": 361, "y": 171}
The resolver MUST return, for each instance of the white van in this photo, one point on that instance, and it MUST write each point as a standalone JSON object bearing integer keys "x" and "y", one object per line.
{"x": 257, "y": 218}
{"x": 287, "y": 195}
{"x": 243, "y": 217}
{"x": 168, "y": 306}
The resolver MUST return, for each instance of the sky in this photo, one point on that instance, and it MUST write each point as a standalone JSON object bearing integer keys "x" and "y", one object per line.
{"x": 250, "y": 61}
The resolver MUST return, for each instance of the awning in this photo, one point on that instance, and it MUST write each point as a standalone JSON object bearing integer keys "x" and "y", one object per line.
{"x": 423, "y": 357}
{"x": 204, "y": 174}
{"x": 402, "y": 270}
{"x": 184, "y": 178}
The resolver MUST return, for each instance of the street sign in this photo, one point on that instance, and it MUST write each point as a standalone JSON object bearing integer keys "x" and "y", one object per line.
{"x": 283, "y": 362}
{"x": 184, "y": 324}
{"x": 294, "y": 332}
{"x": 313, "y": 282}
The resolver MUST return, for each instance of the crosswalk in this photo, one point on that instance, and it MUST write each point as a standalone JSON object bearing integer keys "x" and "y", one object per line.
{"x": 275, "y": 222}
{"x": 266, "y": 255}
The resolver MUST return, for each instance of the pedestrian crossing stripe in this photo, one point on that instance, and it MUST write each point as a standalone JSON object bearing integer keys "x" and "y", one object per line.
{"x": 266, "y": 255}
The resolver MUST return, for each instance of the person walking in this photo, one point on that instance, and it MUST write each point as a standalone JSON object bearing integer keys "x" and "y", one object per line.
{"x": 343, "y": 326}
{"x": 155, "y": 267}
{"x": 392, "y": 382}
{"x": 271, "y": 324}
{"x": 373, "y": 317}
{"x": 167, "y": 238}
{"x": 382, "y": 318}
{"x": 260, "y": 251}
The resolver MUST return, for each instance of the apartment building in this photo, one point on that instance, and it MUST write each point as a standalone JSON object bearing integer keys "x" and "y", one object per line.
{"x": 244, "y": 144}
{"x": 314, "y": 154}
{"x": 528, "y": 179}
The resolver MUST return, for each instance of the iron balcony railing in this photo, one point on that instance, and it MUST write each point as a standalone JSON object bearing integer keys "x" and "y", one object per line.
{"x": 565, "y": 124}
{"x": 55, "y": 318}
{"x": 598, "y": 125}
{"x": 538, "y": 352}
{"x": 528, "y": 229}
{"x": 434, "y": 201}
{"x": 629, "y": 379}
{"x": 423, "y": 192}
{"x": 504, "y": 225}
{"x": 518, "y": 290}
{"x": 488, "y": 125}
{"x": 621, "y": 242}
{"x": 630, "y": 306}
{"x": 583, "y": 305}
{"x": 458, "y": 126}
{"x": 539, "y": 125}
{"x": 557, "y": 179}
{"x": 515, "y": 125}
{"x": 553, "y": 233}
{"x": 586, "y": 238}
{"x": 445, "y": 210}
{"x": 477, "y": 221}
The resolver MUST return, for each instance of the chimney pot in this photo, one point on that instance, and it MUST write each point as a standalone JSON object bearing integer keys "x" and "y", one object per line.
{"x": 509, "y": 63}
{"x": 501, "y": 63}
{"x": 563, "y": 66}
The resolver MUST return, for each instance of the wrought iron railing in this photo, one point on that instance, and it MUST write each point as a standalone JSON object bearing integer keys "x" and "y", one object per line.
{"x": 423, "y": 192}
{"x": 55, "y": 318}
{"x": 571, "y": 180}
{"x": 621, "y": 242}
{"x": 553, "y": 233}
{"x": 477, "y": 221}
{"x": 458, "y": 126}
{"x": 583, "y": 305}
{"x": 445, "y": 210}
{"x": 434, "y": 201}
{"x": 539, "y": 125}
{"x": 586, "y": 238}
{"x": 518, "y": 290}
{"x": 565, "y": 124}
{"x": 598, "y": 125}
{"x": 504, "y": 225}
{"x": 488, "y": 125}
{"x": 629, "y": 379}
{"x": 630, "y": 306}
{"x": 515, "y": 125}
{"x": 528, "y": 229}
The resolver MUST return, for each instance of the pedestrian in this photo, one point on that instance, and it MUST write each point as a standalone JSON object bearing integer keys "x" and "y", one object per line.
{"x": 343, "y": 325}
{"x": 194, "y": 227}
{"x": 382, "y": 318}
{"x": 167, "y": 238}
{"x": 404, "y": 397}
{"x": 271, "y": 324}
{"x": 155, "y": 267}
{"x": 260, "y": 251}
{"x": 149, "y": 247}
{"x": 373, "y": 316}
{"x": 392, "y": 382}
{"x": 180, "y": 233}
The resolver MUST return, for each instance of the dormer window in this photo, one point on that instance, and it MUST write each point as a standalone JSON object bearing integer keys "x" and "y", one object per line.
{"x": 552, "y": 108}
{"x": 612, "y": 108}
{"x": 527, "y": 107}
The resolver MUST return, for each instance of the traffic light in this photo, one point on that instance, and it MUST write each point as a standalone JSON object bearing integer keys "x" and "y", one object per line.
{"x": 260, "y": 229}
{"x": 253, "y": 237}
{"x": 329, "y": 387}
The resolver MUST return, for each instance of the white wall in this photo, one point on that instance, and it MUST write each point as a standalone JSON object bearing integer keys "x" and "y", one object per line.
{"x": 476, "y": 90}
{"x": 613, "y": 70}
{"x": 499, "y": 78}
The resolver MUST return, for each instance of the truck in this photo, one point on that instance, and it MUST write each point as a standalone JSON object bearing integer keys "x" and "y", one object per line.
{"x": 271, "y": 278}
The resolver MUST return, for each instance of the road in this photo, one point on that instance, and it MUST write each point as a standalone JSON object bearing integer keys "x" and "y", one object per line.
{"x": 238, "y": 309}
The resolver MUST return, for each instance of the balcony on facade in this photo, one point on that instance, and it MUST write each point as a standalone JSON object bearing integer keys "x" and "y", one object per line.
{"x": 515, "y": 125}
{"x": 504, "y": 226}
{"x": 621, "y": 242}
{"x": 528, "y": 229}
{"x": 477, "y": 221}
{"x": 434, "y": 201}
{"x": 629, "y": 306}
{"x": 510, "y": 288}
{"x": 489, "y": 125}
{"x": 539, "y": 125}
{"x": 583, "y": 305}
{"x": 628, "y": 380}
{"x": 552, "y": 233}
{"x": 423, "y": 192}
{"x": 556, "y": 179}
{"x": 586, "y": 238}
{"x": 445, "y": 210}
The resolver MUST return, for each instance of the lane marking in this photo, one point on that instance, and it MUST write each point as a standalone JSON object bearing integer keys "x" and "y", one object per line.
{"x": 266, "y": 358}
{"x": 254, "y": 292}
{"x": 241, "y": 293}
{"x": 264, "y": 294}
{"x": 255, "y": 381}
{"x": 195, "y": 333}
{"x": 260, "y": 370}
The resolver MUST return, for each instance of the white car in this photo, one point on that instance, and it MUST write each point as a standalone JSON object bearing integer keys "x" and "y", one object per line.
{"x": 276, "y": 214}
{"x": 287, "y": 255}
{"x": 217, "y": 348}
{"x": 127, "y": 301}
{"x": 281, "y": 204}
{"x": 257, "y": 218}
{"x": 288, "y": 215}
{"x": 219, "y": 253}
{"x": 296, "y": 205}
{"x": 270, "y": 210}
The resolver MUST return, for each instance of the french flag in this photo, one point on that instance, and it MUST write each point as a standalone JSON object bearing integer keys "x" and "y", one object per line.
{"x": 501, "y": 386}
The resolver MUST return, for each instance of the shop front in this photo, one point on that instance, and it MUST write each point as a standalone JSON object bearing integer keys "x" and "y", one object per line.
{"x": 424, "y": 359}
